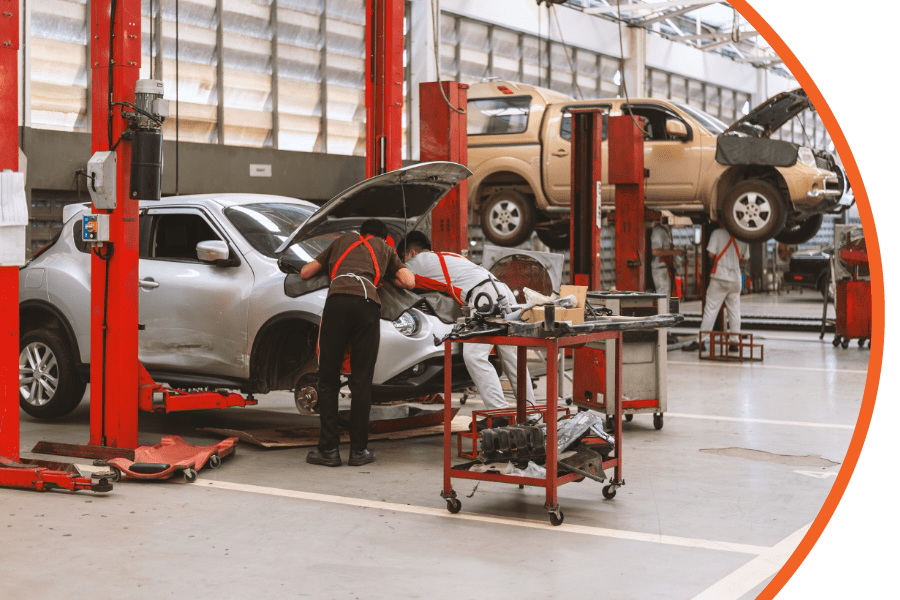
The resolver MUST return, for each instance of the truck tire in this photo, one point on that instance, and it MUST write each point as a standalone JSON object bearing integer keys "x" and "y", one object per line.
{"x": 507, "y": 218}
{"x": 49, "y": 384}
{"x": 802, "y": 231}
{"x": 754, "y": 211}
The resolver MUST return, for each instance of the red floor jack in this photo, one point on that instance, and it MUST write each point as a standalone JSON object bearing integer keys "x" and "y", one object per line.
{"x": 170, "y": 455}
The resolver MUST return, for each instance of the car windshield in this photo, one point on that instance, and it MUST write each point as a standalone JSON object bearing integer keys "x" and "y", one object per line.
{"x": 712, "y": 124}
{"x": 266, "y": 225}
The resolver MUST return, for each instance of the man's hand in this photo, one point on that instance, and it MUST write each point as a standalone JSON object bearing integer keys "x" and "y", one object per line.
{"x": 311, "y": 269}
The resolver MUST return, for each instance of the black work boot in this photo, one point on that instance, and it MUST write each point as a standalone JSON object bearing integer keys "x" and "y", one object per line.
{"x": 328, "y": 458}
{"x": 363, "y": 457}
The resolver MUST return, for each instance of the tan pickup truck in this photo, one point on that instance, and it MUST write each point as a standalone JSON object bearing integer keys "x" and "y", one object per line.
{"x": 759, "y": 188}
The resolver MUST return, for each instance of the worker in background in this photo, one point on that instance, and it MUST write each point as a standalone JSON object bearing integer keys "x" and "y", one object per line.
{"x": 465, "y": 280}
{"x": 727, "y": 255}
{"x": 357, "y": 264}
{"x": 662, "y": 263}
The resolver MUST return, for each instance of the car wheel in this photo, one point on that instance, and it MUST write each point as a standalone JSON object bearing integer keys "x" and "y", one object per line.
{"x": 507, "y": 218}
{"x": 49, "y": 385}
{"x": 802, "y": 231}
{"x": 753, "y": 211}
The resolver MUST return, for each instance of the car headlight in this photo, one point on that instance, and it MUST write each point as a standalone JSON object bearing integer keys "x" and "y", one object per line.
{"x": 806, "y": 157}
{"x": 408, "y": 324}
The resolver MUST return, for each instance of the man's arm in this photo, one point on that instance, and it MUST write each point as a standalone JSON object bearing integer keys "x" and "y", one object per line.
{"x": 311, "y": 269}
{"x": 404, "y": 279}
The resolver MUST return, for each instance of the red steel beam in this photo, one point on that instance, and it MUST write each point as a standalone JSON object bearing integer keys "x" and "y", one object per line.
{"x": 9, "y": 276}
{"x": 114, "y": 368}
{"x": 443, "y": 136}
{"x": 626, "y": 143}
{"x": 384, "y": 86}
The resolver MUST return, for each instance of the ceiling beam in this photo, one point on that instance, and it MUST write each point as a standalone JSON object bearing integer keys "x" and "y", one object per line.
{"x": 671, "y": 14}
{"x": 655, "y": 6}
{"x": 741, "y": 37}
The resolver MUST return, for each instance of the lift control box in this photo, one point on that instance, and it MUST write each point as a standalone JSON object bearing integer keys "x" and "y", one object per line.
{"x": 95, "y": 229}
{"x": 101, "y": 176}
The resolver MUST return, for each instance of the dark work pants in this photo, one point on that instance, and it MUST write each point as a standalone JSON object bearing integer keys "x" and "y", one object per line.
{"x": 354, "y": 321}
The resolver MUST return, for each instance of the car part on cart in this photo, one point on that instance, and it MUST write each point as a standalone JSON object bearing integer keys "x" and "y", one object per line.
{"x": 584, "y": 461}
{"x": 475, "y": 326}
{"x": 570, "y": 431}
{"x": 515, "y": 443}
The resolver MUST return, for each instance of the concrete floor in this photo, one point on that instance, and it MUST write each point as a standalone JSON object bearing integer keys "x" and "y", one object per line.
{"x": 715, "y": 502}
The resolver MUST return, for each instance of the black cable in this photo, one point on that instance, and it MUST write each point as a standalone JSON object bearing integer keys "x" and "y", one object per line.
{"x": 110, "y": 74}
{"x": 177, "y": 103}
{"x": 105, "y": 257}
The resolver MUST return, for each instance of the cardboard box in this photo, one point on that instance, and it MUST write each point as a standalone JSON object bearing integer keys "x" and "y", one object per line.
{"x": 536, "y": 315}
{"x": 580, "y": 292}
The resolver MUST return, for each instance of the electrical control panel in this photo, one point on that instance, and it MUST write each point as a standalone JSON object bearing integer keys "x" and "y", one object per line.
{"x": 95, "y": 229}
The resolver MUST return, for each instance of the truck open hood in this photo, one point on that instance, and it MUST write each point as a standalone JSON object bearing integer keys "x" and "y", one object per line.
{"x": 769, "y": 116}
{"x": 408, "y": 193}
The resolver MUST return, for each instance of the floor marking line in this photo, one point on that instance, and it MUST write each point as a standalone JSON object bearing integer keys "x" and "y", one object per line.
{"x": 756, "y": 365}
{"x": 766, "y": 421}
{"x": 757, "y": 570}
{"x": 443, "y": 513}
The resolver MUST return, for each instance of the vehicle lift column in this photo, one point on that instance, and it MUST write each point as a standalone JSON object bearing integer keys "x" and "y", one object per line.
{"x": 384, "y": 86}
{"x": 16, "y": 472}
{"x": 442, "y": 131}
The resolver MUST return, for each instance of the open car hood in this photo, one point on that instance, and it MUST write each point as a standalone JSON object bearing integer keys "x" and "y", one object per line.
{"x": 420, "y": 187}
{"x": 769, "y": 116}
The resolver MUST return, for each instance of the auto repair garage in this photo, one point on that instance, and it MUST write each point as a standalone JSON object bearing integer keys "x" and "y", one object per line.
{"x": 430, "y": 298}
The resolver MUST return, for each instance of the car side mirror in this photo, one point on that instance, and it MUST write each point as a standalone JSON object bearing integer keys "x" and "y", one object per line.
{"x": 216, "y": 252}
{"x": 676, "y": 129}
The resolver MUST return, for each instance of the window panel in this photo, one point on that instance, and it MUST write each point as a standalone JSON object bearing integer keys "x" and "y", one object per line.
{"x": 299, "y": 83}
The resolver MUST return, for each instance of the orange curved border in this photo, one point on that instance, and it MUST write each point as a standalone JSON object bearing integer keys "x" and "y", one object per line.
{"x": 875, "y": 266}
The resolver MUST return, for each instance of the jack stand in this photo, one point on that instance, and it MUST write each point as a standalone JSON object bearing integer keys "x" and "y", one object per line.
{"x": 152, "y": 397}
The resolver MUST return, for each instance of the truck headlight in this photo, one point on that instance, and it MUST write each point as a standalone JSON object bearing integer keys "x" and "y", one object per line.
{"x": 408, "y": 324}
{"x": 806, "y": 157}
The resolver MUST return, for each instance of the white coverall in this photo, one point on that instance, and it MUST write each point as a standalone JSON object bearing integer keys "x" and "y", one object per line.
{"x": 660, "y": 239}
{"x": 725, "y": 281}
{"x": 471, "y": 279}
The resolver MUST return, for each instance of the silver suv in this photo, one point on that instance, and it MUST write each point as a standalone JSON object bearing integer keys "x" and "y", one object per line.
{"x": 225, "y": 320}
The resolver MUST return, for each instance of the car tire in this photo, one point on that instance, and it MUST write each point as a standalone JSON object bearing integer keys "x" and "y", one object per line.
{"x": 57, "y": 388}
{"x": 507, "y": 218}
{"x": 754, "y": 211}
{"x": 802, "y": 231}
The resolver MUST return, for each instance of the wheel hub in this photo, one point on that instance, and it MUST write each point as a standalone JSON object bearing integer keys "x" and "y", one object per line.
{"x": 504, "y": 217}
{"x": 307, "y": 397}
{"x": 752, "y": 211}
{"x": 38, "y": 374}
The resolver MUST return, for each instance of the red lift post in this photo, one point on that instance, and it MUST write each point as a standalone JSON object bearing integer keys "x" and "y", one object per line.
{"x": 443, "y": 136}
{"x": 384, "y": 86}
{"x": 626, "y": 172}
{"x": 584, "y": 222}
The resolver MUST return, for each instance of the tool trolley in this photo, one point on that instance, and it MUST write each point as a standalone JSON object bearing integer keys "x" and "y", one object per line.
{"x": 554, "y": 479}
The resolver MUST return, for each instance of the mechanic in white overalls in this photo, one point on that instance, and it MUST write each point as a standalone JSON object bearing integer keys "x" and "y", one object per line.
{"x": 356, "y": 263}
{"x": 727, "y": 254}
{"x": 470, "y": 280}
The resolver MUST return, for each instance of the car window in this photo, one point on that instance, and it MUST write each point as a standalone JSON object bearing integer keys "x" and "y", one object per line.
{"x": 565, "y": 124}
{"x": 655, "y": 126}
{"x": 267, "y": 225}
{"x": 712, "y": 124}
{"x": 491, "y": 116}
{"x": 174, "y": 236}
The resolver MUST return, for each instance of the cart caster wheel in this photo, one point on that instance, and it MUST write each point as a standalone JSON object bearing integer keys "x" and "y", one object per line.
{"x": 556, "y": 519}
{"x": 569, "y": 401}
{"x": 609, "y": 492}
{"x": 214, "y": 461}
{"x": 845, "y": 343}
{"x": 116, "y": 474}
{"x": 629, "y": 417}
{"x": 454, "y": 505}
{"x": 862, "y": 342}
{"x": 836, "y": 341}
{"x": 658, "y": 421}
{"x": 190, "y": 475}
{"x": 521, "y": 486}
{"x": 463, "y": 400}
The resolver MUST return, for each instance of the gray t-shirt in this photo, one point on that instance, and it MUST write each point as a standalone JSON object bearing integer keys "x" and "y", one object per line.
{"x": 464, "y": 274}
{"x": 729, "y": 266}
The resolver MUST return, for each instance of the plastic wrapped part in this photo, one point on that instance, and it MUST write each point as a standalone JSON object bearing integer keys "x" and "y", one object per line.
{"x": 571, "y": 430}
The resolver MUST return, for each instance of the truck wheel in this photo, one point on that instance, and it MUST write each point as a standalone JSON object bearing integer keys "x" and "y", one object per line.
{"x": 753, "y": 211}
{"x": 507, "y": 218}
{"x": 49, "y": 385}
{"x": 802, "y": 231}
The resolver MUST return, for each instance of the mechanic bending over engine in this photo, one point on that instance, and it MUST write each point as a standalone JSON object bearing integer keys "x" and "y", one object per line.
{"x": 465, "y": 280}
{"x": 357, "y": 264}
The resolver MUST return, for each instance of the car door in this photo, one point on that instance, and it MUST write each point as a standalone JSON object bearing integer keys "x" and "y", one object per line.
{"x": 674, "y": 164}
{"x": 193, "y": 315}
{"x": 557, "y": 158}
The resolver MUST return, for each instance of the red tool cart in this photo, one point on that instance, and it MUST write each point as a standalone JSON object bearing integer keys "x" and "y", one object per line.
{"x": 853, "y": 294}
{"x": 553, "y": 480}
